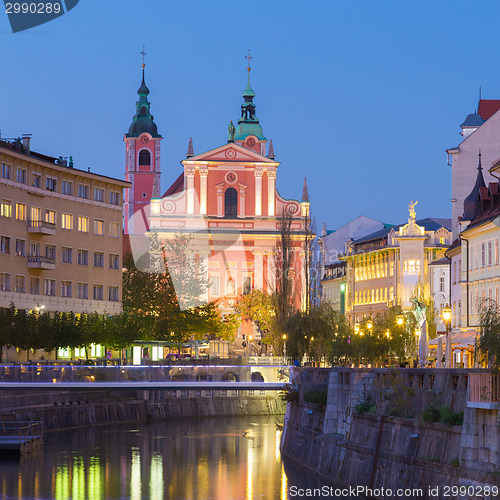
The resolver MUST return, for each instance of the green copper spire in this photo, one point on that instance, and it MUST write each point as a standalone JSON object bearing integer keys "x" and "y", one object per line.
{"x": 143, "y": 119}
{"x": 248, "y": 124}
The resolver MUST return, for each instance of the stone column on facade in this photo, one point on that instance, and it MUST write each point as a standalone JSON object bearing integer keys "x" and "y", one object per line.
{"x": 259, "y": 269}
{"x": 190, "y": 190}
{"x": 203, "y": 190}
{"x": 258, "y": 191}
{"x": 241, "y": 201}
{"x": 220, "y": 199}
{"x": 271, "y": 189}
{"x": 271, "y": 278}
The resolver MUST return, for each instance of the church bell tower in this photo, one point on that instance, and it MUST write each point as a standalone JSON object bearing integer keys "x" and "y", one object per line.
{"x": 142, "y": 159}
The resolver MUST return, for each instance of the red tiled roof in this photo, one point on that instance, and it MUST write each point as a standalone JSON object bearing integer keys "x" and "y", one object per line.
{"x": 176, "y": 187}
{"x": 488, "y": 107}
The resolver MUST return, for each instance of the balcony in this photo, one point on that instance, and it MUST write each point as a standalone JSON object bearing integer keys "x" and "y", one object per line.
{"x": 39, "y": 262}
{"x": 484, "y": 391}
{"x": 41, "y": 227}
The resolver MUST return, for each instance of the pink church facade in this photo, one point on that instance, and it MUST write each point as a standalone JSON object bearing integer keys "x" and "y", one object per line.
{"x": 226, "y": 200}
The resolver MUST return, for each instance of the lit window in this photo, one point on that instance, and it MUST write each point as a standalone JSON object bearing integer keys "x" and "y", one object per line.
{"x": 441, "y": 240}
{"x": 21, "y": 175}
{"x": 99, "y": 194}
{"x": 50, "y": 216}
{"x": 6, "y": 208}
{"x": 83, "y": 224}
{"x": 67, "y": 221}
{"x": 411, "y": 266}
{"x": 99, "y": 227}
{"x": 20, "y": 211}
{"x": 35, "y": 216}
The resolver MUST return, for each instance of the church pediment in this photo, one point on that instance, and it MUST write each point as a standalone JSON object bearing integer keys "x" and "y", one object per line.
{"x": 230, "y": 153}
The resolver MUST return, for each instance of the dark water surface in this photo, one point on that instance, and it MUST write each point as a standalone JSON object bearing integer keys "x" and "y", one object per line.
{"x": 205, "y": 459}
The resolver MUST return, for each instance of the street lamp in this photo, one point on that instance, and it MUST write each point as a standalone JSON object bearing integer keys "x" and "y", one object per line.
{"x": 400, "y": 319}
{"x": 250, "y": 338}
{"x": 446, "y": 315}
{"x": 356, "y": 327}
{"x": 369, "y": 325}
{"x": 284, "y": 346}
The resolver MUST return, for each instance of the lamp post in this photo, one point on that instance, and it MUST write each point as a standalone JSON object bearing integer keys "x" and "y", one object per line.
{"x": 250, "y": 338}
{"x": 284, "y": 348}
{"x": 446, "y": 315}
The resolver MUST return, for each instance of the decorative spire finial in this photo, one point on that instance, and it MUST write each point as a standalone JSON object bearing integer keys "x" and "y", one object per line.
{"x": 479, "y": 166}
{"x": 271, "y": 154}
{"x": 190, "y": 151}
{"x": 305, "y": 193}
{"x": 248, "y": 58}
{"x": 144, "y": 54}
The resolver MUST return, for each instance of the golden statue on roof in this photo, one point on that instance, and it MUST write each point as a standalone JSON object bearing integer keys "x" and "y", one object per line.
{"x": 411, "y": 208}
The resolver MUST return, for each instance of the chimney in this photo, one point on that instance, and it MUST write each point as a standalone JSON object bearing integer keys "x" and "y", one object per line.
{"x": 27, "y": 142}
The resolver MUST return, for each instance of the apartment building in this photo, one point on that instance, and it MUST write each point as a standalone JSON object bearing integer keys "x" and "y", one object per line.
{"x": 60, "y": 233}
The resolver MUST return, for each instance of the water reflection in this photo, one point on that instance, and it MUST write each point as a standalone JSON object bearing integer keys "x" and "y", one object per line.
{"x": 219, "y": 459}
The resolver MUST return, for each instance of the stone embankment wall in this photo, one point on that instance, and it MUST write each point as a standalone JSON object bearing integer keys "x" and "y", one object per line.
{"x": 62, "y": 410}
{"x": 399, "y": 451}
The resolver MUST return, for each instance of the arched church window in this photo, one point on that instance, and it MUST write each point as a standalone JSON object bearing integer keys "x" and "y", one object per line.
{"x": 144, "y": 157}
{"x": 231, "y": 203}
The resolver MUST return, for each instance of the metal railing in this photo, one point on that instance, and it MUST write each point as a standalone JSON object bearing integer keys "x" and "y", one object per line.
{"x": 41, "y": 224}
{"x": 114, "y": 374}
{"x": 21, "y": 431}
{"x": 40, "y": 259}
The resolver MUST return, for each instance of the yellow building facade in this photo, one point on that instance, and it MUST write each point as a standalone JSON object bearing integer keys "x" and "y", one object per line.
{"x": 60, "y": 234}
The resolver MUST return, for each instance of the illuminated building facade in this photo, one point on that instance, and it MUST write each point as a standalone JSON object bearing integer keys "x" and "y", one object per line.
{"x": 226, "y": 200}
{"x": 385, "y": 267}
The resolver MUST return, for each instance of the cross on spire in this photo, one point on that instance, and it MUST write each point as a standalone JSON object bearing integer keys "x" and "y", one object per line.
{"x": 144, "y": 54}
{"x": 248, "y": 58}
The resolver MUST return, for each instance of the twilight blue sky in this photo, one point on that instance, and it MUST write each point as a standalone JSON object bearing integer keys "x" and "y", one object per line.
{"x": 363, "y": 97}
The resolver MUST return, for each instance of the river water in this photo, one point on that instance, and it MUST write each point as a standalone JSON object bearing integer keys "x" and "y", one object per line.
{"x": 205, "y": 459}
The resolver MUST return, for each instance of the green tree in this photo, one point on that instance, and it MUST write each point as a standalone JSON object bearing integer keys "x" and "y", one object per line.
{"x": 487, "y": 347}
